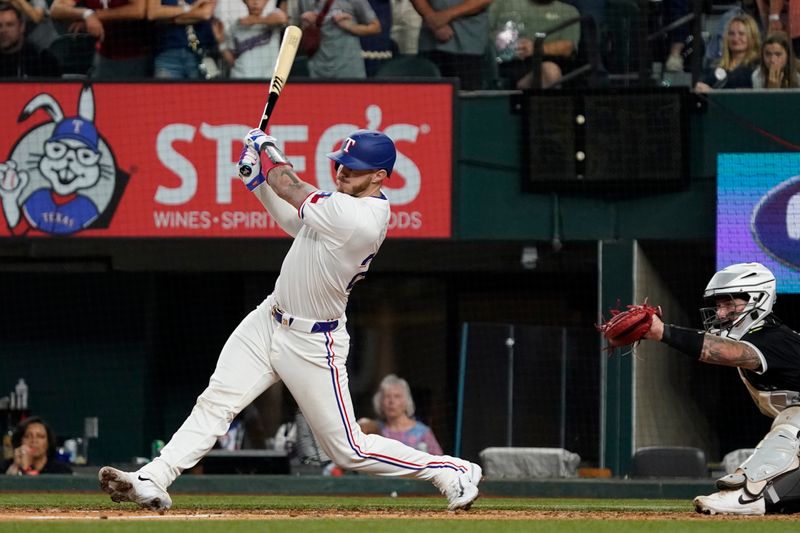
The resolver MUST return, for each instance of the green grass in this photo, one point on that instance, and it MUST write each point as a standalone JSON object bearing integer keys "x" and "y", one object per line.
{"x": 67, "y": 500}
{"x": 666, "y": 515}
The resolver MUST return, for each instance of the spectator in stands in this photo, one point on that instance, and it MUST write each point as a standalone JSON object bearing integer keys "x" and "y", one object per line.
{"x": 532, "y": 17}
{"x": 772, "y": 14}
{"x": 124, "y": 47}
{"x": 593, "y": 8}
{"x": 781, "y": 15}
{"x": 454, "y": 35}
{"x": 741, "y": 49}
{"x": 34, "y": 445}
{"x": 379, "y": 48}
{"x": 340, "y": 54}
{"x": 395, "y": 409}
{"x": 39, "y": 29}
{"x": 675, "y": 9}
{"x": 778, "y": 69}
{"x": 251, "y": 43}
{"x": 18, "y": 58}
{"x": 406, "y": 24}
{"x": 186, "y": 45}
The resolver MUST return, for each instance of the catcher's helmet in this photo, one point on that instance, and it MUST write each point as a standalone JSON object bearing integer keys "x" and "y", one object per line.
{"x": 752, "y": 282}
{"x": 366, "y": 150}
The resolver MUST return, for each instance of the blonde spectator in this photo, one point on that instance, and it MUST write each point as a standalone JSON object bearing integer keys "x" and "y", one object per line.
{"x": 741, "y": 49}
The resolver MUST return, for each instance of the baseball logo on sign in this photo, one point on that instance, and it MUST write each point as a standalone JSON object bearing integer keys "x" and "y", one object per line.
{"x": 61, "y": 177}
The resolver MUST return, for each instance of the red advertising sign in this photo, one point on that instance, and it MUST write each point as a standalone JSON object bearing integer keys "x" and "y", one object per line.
{"x": 159, "y": 160}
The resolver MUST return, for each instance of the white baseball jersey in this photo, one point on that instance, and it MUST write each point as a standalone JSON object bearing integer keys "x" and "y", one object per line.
{"x": 333, "y": 249}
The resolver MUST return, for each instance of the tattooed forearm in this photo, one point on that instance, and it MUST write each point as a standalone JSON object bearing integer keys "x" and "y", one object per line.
{"x": 294, "y": 180}
{"x": 720, "y": 351}
{"x": 288, "y": 185}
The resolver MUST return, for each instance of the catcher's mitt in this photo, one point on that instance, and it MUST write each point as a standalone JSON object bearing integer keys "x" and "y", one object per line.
{"x": 628, "y": 327}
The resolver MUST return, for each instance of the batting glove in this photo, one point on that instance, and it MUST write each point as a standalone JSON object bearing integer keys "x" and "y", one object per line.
{"x": 258, "y": 139}
{"x": 250, "y": 168}
{"x": 260, "y": 142}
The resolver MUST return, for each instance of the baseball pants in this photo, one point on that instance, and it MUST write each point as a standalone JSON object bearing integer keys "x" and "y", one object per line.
{"x": 259, "y": 353}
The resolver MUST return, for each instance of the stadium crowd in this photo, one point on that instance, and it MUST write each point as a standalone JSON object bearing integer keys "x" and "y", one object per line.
{"x": 486, "y": 44}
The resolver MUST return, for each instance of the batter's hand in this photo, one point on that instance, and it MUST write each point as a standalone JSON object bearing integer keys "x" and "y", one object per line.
{"x": 258, "y": 139}
{"x": 250, "y": 168}
{"x": 264, "y": 144}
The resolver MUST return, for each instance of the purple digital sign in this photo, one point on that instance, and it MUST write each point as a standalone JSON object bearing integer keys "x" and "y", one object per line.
{"x": 758, "y": 213}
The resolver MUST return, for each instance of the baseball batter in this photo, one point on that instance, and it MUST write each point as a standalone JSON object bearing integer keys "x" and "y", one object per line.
{"x": 298, "y": 333}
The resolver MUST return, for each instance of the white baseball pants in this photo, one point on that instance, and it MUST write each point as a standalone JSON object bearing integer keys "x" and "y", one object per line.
{"x": 259, "y": 353}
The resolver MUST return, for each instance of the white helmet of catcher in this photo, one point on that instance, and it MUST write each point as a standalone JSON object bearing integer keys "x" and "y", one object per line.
{"x": 752, "y": 282}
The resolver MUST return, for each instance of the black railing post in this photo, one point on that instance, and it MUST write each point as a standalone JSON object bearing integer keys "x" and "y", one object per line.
{"x": 538, "y": 52}
{"x": 592, "y": 49}
{"x": 643, "y": 43}
{"x": 697, "y": 39}
{"x": 590, "y": 40}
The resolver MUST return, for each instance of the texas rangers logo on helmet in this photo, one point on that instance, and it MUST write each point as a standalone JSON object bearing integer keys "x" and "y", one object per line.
{"x": 348, "y": 143}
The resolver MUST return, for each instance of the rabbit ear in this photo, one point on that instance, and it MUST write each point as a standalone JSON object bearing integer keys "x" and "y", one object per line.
{"x": 374, "y": 117}
{"x": 86, "y": 103}
{"x": 42, "y": 101}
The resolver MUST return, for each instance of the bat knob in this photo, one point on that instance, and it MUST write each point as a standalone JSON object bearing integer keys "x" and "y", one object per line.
{"x": 245, "y": 171}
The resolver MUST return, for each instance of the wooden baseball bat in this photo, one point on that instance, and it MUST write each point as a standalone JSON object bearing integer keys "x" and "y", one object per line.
{"x": 283, "y": 65}
{"x": 280, "y": 74}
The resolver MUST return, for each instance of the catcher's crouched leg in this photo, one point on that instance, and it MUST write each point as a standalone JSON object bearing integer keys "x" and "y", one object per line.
{"x": 776, "y": 454}
{"x": 782, "y": 494}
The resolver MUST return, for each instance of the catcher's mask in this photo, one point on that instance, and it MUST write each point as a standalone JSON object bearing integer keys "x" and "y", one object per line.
{"x": 751, "y": 282}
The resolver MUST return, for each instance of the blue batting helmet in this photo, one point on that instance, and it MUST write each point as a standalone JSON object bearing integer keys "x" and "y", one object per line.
{"x": 366, "y": 150}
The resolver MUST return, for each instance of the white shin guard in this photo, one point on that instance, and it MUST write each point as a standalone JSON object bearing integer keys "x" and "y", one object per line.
{"x": 776, "y": 454}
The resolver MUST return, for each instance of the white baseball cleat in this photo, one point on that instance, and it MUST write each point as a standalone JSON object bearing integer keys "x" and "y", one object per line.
{"x": 730, "y": 502}
{"x": 134, "y": 487}
{"x": 460, "y": 488}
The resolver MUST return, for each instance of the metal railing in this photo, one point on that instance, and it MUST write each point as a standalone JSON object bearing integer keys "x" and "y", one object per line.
{"x": 695, "y": 18}
{"x": 590, "y": 41}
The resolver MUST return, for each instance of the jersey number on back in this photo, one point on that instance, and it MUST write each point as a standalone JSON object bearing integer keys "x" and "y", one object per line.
{"x": 362, "y": 274}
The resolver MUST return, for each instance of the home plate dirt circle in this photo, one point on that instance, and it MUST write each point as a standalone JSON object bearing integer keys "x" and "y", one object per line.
{"x": 56, "y": 514}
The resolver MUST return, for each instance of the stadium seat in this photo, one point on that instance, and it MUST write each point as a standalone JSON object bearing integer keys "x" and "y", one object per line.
{"x": 409, "y": 67}
{"x": 75, "y": 54}
{"x": 669, "y": 461}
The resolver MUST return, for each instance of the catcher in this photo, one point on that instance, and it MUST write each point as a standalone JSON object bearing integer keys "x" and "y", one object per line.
{"x": 740, "y": 331}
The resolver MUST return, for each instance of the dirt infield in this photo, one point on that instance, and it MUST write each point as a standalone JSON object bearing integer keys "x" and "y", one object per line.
{"x": 474, "y": 514}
